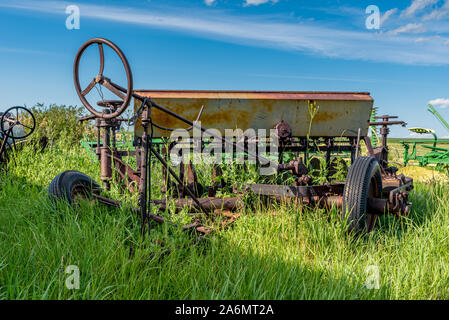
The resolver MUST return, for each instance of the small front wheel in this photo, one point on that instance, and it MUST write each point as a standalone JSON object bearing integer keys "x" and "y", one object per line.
{"x": 72, "y": 186}
{"x": 364, "y": 181}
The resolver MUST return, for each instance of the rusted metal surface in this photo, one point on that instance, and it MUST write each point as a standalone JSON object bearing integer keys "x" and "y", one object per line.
{"x": 127, "y": 174}
{"x": 255, "y": 95}
{"x": 100, "y": 79}
{"x": 339, "y": 114}
{"x": 341, "y": 121}
{"x": 210, "y": 204}
{"x": 107, "y": 201}
{"x": 200, "y": 228}
{"x": 295, "y": 191}
{"x": 283, "y": 130}
{"x": 397, "y": 188}
{"x": 195, "y": 225}
{"x": 106, "y": 162}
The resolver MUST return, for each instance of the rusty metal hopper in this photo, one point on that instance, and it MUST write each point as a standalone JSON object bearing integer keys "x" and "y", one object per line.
{"x": 339, "y": 114}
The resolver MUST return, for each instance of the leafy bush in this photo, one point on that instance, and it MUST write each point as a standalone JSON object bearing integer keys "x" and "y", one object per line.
{"x": 60, "y": 123}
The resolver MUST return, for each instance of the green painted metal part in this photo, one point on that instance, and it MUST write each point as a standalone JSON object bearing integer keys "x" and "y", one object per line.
{"x": 433, "y": 111}
{"x": 437, "y": 156}
{"x": 90, "y": 145}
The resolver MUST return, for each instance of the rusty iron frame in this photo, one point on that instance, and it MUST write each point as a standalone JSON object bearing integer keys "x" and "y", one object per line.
{"x": 396, "y": 187}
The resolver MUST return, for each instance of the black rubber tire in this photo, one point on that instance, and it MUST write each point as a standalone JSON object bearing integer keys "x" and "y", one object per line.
{"x": 364, "y": 180}
{"x": 54, "y": 188}
{"x": 68, "y": 184}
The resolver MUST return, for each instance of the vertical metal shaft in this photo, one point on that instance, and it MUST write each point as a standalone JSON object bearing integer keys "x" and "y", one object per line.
{"x": 358, "y": 144}
{"x": 97, "y": 149}
{"x": 144, "y": 173}
{"x": 150, "y": 143}
{"x": 106, "y": 157}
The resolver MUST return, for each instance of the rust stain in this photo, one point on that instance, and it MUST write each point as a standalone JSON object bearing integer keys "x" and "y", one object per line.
{"x": 273, "y": 95}
{"x": 235, "y": 110}
{"x": 226, "y": 116}
{"x": 325, "y": 116}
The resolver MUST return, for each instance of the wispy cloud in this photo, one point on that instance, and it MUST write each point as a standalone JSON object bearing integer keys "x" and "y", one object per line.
{"x": 257, "y": 2}
{"x": 246, "y": 2}
{"x": 439, "y": 13}
{"x": 387, "y": 15}
{"x": 409, "y": 28}
{"x": 417, "y": 6}
{"x": 266, "y": 31}
{"x": 281, "y": 76}
{"x": 425, "y": 39}
{"x": 440, "y": 102}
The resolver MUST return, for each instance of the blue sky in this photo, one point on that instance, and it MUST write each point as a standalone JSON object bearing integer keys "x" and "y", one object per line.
{"x": 318, "y": 45}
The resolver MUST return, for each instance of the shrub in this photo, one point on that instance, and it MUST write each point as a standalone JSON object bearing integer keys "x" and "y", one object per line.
{"x": 60, "y": 123}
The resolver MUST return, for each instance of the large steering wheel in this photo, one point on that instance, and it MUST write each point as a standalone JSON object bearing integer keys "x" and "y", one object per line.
{"x": 20, "y": 118}
{"x": 102, "y": 80}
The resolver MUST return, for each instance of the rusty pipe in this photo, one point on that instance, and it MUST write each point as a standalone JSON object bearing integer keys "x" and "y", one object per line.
{"x": 106, "y": 159}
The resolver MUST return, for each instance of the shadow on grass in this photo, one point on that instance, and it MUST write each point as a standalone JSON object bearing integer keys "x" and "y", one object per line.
{"x": 260, "y": 257}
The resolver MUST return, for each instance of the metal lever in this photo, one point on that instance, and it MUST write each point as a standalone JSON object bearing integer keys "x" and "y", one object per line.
{"x": 81, "y": 119}
{"x": 133, "y": 120}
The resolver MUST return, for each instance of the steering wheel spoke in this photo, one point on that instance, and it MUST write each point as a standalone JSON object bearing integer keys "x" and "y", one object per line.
{"x": 89, "y": 87}
{"x": 100, "y": 48}
{"x": 106, "y": 83}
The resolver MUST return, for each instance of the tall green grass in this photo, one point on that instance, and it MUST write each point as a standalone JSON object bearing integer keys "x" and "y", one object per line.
{"x": 274, "y": 252}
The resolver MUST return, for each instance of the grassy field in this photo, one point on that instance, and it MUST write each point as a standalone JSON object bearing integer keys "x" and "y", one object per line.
{"x": 279, "y": 252}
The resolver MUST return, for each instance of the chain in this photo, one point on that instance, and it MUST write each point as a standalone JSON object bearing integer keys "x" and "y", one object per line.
{"x": 100, "y": 92}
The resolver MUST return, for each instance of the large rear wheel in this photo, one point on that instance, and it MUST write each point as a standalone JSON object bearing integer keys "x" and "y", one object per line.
{"x": 364, "y": 181}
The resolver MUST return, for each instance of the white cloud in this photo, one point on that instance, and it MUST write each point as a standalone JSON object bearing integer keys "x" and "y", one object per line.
{"x": 439, "y": 13}
{"x": 257, "y": 2}
{"x": 416, "y": 6}
{"x": 263, "y": 31}
{"x": 247, "y": 2}
{"x": 424, "y": 39}
{"x": 440, "y": 102}
{"x": 409, "y": 28}
{"x": 387, "y": 15}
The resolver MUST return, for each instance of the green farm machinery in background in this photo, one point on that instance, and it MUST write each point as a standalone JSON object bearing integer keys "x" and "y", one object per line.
{"x": 437, "y": 156}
